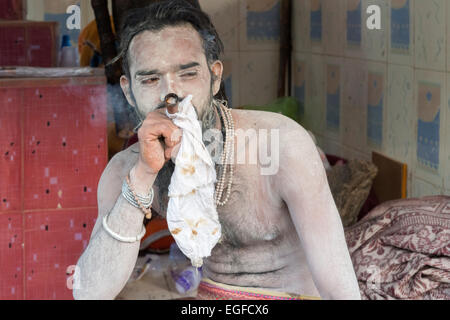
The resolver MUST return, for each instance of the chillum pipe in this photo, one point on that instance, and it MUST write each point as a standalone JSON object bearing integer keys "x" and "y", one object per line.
{"x": 171, "y": 101}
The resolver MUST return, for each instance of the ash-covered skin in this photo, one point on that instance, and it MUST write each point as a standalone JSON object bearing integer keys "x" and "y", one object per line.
{"x": 280, "y": 231}
{"x": 153, "y": 79}
{"x": 153, "y": 75}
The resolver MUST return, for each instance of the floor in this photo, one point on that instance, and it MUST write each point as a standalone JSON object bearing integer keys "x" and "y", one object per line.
{"x": 155, "y": 283}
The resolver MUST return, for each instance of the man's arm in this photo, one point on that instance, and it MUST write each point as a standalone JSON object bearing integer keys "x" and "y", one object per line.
{"x": 106, "y": 264}
{"x": 304, "y": 187}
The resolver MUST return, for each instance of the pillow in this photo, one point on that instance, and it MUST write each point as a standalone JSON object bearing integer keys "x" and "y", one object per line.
{"x": 350, "y": 185}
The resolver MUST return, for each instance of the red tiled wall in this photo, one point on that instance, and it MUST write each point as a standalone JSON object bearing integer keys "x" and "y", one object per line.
{"x": 12, "y": 46}
{"x": 11, "y": 256}
{"x": 10, "y": 149}
{"x": 53, "y": 149}
{"x": 54, "y": 241}
{"x": 41, "y": 46}
{"x": 26, "y": 43}
{"x": 12, "y": 9}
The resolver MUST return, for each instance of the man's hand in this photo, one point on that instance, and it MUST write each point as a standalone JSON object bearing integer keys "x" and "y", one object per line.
{"x": 159, "y": 140}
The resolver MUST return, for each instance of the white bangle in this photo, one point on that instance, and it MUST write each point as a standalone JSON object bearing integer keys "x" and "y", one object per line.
{"x": 120, "y": 238}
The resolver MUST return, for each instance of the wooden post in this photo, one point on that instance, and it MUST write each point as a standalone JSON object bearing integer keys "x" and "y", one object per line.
{"x": 107, "y": 40}
{"x": 116, "y": 99}
{"x": 285, "y": 48}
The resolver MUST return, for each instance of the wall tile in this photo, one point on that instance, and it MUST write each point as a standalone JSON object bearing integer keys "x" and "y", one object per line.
{"x": 258, "y": 77}
{"x": 11, "y": 260}
{"x": 409, "y": 182}
{"x": 301, "y": 84}
{"x": 53, "y": 242}
{"x": 380, "y": 73}
{"x": 315, "y": 107}
{"x": 332, "y": 147}
{"x": 354, "y": 101}
{"x": 316, "y": 27}
{"x": 430, "y": 21}
{"x": 230, "y": 77}
{"x": 64, "y": 152}
{"x": 10, "y": 149}
{"x": 377, "y": 90}
{"x": 430, "y": 101}
{"x": 259, "y": 26}
{"x": 400, "y": 114}
{"x": 421, "y": 188}
{"x": 360, "y": 42}
{"x": 333, "y": 27}
{"x": 320, "y": 140}
{"x": 333, "y": 92}
{"x": 225, "y": 17}
{"x": 354, "y": 25}
{"x": 351, "y": 153}
{"x": 375, "y": 42}
{"x": 301, "y": 25}
{"x": 446, "y": 138}
{"x": 448, "y": 34}
{"x": 401, "y": 32}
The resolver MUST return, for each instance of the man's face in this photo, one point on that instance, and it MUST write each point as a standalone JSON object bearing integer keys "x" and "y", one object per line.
{"x": 171, "y": 60}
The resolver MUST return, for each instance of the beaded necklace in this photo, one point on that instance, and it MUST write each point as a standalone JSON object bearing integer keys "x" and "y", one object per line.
{"x": 227, "y": 156}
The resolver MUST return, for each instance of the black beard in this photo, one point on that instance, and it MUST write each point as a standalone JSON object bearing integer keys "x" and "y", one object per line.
{"x": 162, "y": 182}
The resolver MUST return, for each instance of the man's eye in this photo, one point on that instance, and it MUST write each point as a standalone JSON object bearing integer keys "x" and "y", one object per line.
{"x": 150, "y": 80}
{"x": 189, "y": 74}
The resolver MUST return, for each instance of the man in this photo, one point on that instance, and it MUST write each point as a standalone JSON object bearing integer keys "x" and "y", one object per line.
{"x": 281, "y": 232}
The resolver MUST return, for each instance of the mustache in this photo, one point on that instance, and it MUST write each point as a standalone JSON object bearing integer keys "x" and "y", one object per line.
{"x": 162, "y": 105}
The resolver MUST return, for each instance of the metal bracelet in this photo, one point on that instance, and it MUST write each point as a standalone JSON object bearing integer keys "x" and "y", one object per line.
{"x": 128, "y": 195}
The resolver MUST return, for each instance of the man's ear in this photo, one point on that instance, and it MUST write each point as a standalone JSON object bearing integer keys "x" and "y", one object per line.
{"x": 217, "y": 70}
{"x": 125, "y": 85}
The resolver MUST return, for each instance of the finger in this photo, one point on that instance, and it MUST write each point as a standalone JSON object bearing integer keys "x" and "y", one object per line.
{"x": 168, "y": 153}
{"x": 175, "y": 137}
{"x": 174, "y": 152}
{"x": 163, "y": 129}
{"x": 162, "y": 111}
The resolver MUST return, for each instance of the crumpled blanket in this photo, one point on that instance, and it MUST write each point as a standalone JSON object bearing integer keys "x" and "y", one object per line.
{"x": 401, "y": 249}
{"x": 191, "y": 213}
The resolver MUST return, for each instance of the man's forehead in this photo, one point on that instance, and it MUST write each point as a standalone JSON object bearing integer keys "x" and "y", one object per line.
{"x": 171, "y": 45}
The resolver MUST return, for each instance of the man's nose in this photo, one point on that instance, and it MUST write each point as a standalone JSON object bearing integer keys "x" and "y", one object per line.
{"x": 171, "y": 86}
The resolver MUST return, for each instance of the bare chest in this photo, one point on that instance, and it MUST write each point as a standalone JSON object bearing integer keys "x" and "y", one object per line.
{"x": 253, "y": 211}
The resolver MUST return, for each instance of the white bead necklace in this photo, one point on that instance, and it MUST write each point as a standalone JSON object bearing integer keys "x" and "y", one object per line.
{"x": 227, "y": 157}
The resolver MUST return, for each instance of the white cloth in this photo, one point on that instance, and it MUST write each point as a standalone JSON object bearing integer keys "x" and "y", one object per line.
{"x": 191, "y": 214}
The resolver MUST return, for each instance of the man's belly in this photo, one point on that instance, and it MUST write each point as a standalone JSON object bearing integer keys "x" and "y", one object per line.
{"x": 265, "y": 266}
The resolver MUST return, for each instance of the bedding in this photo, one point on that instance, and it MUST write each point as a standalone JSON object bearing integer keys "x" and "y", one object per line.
{"x": 350, "y": 184}
{"x": 401, "y": 249}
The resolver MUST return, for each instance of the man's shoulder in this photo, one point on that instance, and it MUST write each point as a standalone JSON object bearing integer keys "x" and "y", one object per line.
{"x": 259, "y": 119}
{"x": 294, "y": 141}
